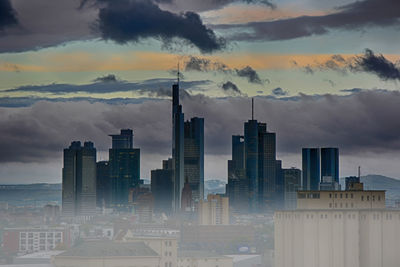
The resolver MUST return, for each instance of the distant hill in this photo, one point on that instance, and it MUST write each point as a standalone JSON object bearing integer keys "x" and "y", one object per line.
{"x": 214, "y": 187}
{"x": 30, "y": 194}
{"x": 380, "y": 182}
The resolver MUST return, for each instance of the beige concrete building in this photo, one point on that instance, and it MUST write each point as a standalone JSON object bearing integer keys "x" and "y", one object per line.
{"x": 214, "y": 211}
{"x": 165, "y": 246}
{"x": 108, "y": 254}
{"x": 341, "y": 199}
{"x": 338, "y": 229}
{"x": 203, "y": 259}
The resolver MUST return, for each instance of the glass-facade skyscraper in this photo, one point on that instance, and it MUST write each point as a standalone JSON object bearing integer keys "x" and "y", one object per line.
{"x": 177, "y": 147}
{"x": 311, "y": 168}
{"x": 124, "y": 164}
{"x": 330, "y": 163}
{"x": 79, "y": 180}
{"x": 194, "y": 157}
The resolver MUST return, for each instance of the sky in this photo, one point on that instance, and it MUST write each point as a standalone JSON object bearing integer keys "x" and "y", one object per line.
{"x": 323, "y": 73}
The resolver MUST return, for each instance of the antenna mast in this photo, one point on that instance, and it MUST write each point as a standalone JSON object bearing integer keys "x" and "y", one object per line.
{"x": 252, "y": 109}
{"x": 178, "y": 73}
{"x": 359, "y": 172}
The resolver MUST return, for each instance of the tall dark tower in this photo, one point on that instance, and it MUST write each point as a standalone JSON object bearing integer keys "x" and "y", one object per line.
{"x": 177, "y": 146}
{"x": 124, "y": 168}
{"x": 311, "y": 168}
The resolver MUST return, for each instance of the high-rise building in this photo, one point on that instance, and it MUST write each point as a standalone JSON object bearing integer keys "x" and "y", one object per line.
{"x": 79, "y": 180}
{"x": 251, "y": 158}
{"x": 257, "y": 166}
{"x": 177, "y": 146}
{"x": 214, "y": 210}
{"x": 103, "y": 184}
{"x": 292, "y": 183}
{"x": 194, "y": 157}
{"x": 330, "y": 163}
{"x": 311, "y": 168}
{"x": 237, "y": 188}
{"x": 279, "y": 186}
{"x": 124, "y": 168}
{"x": 162, "y": 187}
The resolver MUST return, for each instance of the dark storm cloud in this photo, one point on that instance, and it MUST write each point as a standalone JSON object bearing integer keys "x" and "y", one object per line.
{"x": 249, "y": 73}
{"x": 126, "y": 21}
{"x": 279, "y": 92}
{"x": 368, "y": 62}
{"x": 231, "y": 88}
{"x": 104, "y": 86}
{"x": 355, "y": 16}
{"x": 47, "y": 23}
{"x": 7, "y": 15}
{"x": 205, "y": 65}
{"x": 110, "y": 78}
{"x": 324, "y": 120}
{"x": 205, "y": 5}
{"x": 378, "y": 65}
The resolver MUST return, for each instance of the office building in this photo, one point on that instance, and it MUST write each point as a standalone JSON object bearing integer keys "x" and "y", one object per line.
{"x": 258, "y": 174}
{"x": 103, "y": 184}
{"x": 177, "y": 147}
{"x": 162, "y": 187}
{"x": 237, "y": 187}
{"x": 194, "y": 157}
{"x": 214, "y": 210}
{"x": 338, "y": 228}
{"x": 124, "y": 164}
{"x": 292, "y": 183}
{"x": 330, "y": 163}
{"x": 311, "y": 168}
{"x": 79, "y": 180}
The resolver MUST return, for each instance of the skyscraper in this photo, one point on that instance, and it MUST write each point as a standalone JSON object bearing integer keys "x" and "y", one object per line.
{"x": 292, "y": 183}
{"x": 311, "y": 168}
{"x": 254, "y": 161}
{"x": 177, "y": 146}
{"x": 251, "y": 162}
{"x": 162, "y": 187}
{"x": 330, "y": 163}
{"x": 79, "y": 180}
{"x": 103, "y": 184}
{"x": 194, "y": 157}
{"x": 124, "y": 168}
{"x": 237, "y": 188}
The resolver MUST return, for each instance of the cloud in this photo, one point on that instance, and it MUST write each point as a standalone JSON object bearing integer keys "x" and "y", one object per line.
{"x": 130, "y": 21}
{"x": 110, "y": 78}
{"x": 368, "y": 62}
{"x": 231, "y": 88}
{"x": 279, "y": 92}
{"x": 44, "y": 23}
{"x": 249, "y": 73}
{"x": 7, "y": 15}
{"x": 355, "y": 16}
{"x": 205, "y": 65}
{"x": 378, "y": 65}
{"x": 107, "y": 84}
{"x": 205, "y": 5}
{"x": 325, "y": 120}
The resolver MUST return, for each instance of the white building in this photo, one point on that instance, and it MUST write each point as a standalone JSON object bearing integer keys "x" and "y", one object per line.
{"x": 338, "y": 229}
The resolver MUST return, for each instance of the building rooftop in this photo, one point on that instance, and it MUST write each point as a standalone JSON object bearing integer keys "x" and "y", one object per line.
{"x": 198, "y": 254}
{"x": 110, "y": 249}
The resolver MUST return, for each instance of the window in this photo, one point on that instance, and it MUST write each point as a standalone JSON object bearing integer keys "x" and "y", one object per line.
{"x": 362, "y": 198}
{"x": 367, "y": 198}
{"x": 341, "y": 195}
{"x": 351, "y": 195}
{"x": 347, "y": 195}
{"x": 330, "y": 195}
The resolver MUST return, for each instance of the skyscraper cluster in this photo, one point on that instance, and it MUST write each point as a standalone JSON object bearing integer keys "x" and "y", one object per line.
{"x": 254, "y": 174}
{"x": 87, "y": 184}
{"x": 184, "y": 172}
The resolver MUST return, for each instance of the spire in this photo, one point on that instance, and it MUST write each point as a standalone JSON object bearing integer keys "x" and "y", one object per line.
{"x": 178, "y": 73}
{"x": 252, "y": 109}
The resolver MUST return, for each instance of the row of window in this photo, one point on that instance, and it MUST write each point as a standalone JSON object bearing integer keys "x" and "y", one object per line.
{"x": 375, "y": 216}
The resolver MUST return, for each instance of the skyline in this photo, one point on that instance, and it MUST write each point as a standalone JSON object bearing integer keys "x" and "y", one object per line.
{"x": 331, "y": 81}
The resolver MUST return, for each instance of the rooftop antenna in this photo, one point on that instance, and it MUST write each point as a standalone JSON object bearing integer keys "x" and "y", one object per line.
{"x": 252, "y": 109}
{"x": 178, "y": 73}
{"x": 359, "y": 172}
